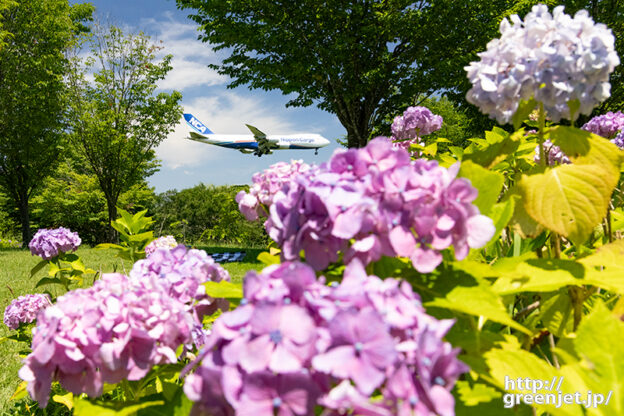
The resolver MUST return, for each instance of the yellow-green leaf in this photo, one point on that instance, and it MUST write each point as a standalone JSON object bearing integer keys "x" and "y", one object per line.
{"x": 20, "y": 392}
{"x": 224, "y": 289}
{"x": 66, "y": 399}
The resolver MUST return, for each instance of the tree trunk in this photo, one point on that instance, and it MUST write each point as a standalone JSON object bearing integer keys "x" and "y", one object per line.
{"x": 24, "y": 218}
{"x": 112, "y": 216}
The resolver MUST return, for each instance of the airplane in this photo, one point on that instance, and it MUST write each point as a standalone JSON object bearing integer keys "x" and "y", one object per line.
{"x": 257, "y": 143}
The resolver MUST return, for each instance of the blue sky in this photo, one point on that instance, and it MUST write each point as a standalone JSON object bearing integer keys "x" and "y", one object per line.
{"x": 186, "y": 163}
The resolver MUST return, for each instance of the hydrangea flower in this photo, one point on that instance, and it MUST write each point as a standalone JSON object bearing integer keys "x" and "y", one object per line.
{"x": 117, "y": 329}
{"x": 619, "y": 140}
{"x": 415, "y": 122}
{"x": 265, "y": 185}
{"x": 168, "y": 241}
{"x": 180, "y": 272}
{"x": 554, "y": 59}
{"x": 555, "y": 154}
{"x": 48, "y": 244}
{"x": 606, "y": 125}
{"x": 375, "y": 201}
{"x": 24, "y": 309}
{"x": 340, "y": 344}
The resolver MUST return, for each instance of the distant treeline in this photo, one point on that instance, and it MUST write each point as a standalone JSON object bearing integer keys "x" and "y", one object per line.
{"x": 204, "y": 214}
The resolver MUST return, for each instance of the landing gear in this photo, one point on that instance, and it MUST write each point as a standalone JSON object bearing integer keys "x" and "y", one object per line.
{"x": 316, "y": 151}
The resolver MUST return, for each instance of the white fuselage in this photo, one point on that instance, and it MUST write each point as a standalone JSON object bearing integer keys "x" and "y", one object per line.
{"x": 247, "y": 141}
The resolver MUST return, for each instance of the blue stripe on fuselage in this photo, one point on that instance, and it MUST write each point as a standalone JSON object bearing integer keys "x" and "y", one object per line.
{"x": 242, "y": 145}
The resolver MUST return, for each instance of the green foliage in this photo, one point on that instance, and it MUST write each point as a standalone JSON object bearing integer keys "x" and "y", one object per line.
{"x": 118, "y": 119}
{"x": 206, "y": 214}
{"x": 32, "y": 95}
{"x": 358, "y": 60}
{"x": 135, "y": 232}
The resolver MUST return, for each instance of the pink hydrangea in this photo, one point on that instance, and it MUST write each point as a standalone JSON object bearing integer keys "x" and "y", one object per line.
{"x": 374, "y": 201}
{"x": 48, "y": 244}
{"x": 24, "y": 309}
{"x": 167, "y": 241}
{"x": 117, "y": 329}
{"x": 181, "y": 272}
{"x": 266, "y": 184}
{"x": 415, "y": 122}
{"x": 296, "y": 343}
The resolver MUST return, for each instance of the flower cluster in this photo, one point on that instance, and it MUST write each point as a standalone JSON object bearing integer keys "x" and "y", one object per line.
{"x": 554, "y": 59}
{"x": 48, "y": 244}
{"x": 168, "y": 241}
{"x": 122, "y": 326}
{"x": 265, "y": 185}
{"x": 115, "y": 330}
{"x": 24, "y": 309}
{"x": 296, "y": 343}
{"x": 606, "y": 125}
{"x": 180, "y": 272}
{"x": 554, "y": 153}
{"x": 375, "y": 201}
{"x": 415, "y": 122}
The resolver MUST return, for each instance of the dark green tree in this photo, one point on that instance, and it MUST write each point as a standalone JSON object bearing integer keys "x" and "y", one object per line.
{"x": 359, "y": 59}
{"x": 32, "y": 93}
{"x": 118, "y": 119}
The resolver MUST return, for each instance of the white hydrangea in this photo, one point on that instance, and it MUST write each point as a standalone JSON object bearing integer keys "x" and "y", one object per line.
{"x": 552, "y": 58}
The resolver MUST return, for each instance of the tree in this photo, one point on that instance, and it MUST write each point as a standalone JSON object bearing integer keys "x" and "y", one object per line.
{"x": 117, "y": 119}
{"x": 356, "y": 58}
{"x": 32, "y": 104}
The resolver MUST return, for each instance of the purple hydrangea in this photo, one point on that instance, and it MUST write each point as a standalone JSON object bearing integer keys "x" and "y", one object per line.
{"x": 554, "y": 59}
{"x": 296, "y": 343}
{"x": 555, "y": 154}
{"x": 24, "y": 309}
{"x": 266, "y": 184}
{"x": 619, "y": 140}
{"x": 180, "y": 272}
{"x": 168, "y": 241}
{"x": 374, "y": 201}
{"x": 50, "y": 243}
{"x": 415, "y": 122}
{"x": 606, "y": 125}
{"x": 117, "y": 329}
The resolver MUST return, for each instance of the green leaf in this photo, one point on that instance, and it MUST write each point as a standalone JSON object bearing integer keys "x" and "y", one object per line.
{"x": 574, "y": 106}
{"x": 487, "y": 182}
{"x": 268, "y": 259}
{"x": 38, "y": 267}
{"x": 539, "y": 275}
{"x": 84, "y": 407}
{"x": 501, "y": 214}
{"x": 49, "y": 281}
{"x": 20, "y": 392}
{"x": 555, "y": 314}
{"x": 522, "y": 113}
{"x": 585, "y": 148}
{"x": 498, "y": 145}
{"x": 477, "y": 301}
{"x": 224, "y": 289}
{"x": 569, "y": 199}
{"x": 478, "y": 393}
{"x": 66, "y": 399}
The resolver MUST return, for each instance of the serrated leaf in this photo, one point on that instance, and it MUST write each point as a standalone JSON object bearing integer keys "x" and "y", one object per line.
{"x": 501, "y": 214}
{"x": 224, "y": 289}
{"x": 556, "y": 313}
{"x": 569, "y": 199}
{"x": 477, "y": 301}
{"x": 497, "y": 146}
{"x": 487, "y": 182}
{"x": 539, "y": 275}
{"x": 49, "y": 281}
{"x": 478, "y": 393}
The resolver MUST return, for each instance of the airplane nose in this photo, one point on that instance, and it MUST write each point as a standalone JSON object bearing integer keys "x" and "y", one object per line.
{"x": 324, "y": 141}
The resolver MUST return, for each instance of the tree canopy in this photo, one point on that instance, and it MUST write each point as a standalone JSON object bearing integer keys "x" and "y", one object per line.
{"x": 356, "y": 59}
{"x": 32, "y": 93}
{"x": 118, "y": 118}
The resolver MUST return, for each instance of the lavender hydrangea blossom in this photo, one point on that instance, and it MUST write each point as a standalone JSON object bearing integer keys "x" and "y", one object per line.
{"x": 115, "y": 330}
{"x": 48, "y": 244}
{"x": 415, "y": 122}
{"x": 265, "y": 185}
{"x": 554, "y": 59}
{"x": 375, "y": 201}
{"x": 554, "y": 154}
{"x": 609, "y": 125}
{"x": 24, "y": 309}
{"x": 167, "y": 241}
{"x": 296, "y": 343}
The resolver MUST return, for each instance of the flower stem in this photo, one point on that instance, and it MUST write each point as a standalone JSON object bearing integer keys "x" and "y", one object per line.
{"x": 541, "y": 133}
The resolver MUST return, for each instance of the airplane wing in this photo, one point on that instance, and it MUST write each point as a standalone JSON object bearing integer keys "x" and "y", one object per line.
{"x": 196, "y": 136}
{"x": 264, "y": 146}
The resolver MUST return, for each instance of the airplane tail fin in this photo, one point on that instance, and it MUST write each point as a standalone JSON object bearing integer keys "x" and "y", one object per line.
{"x": 196, "y": 125}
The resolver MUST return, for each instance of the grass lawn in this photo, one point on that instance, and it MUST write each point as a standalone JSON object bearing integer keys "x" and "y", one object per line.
{"x": 15, "y": 280}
